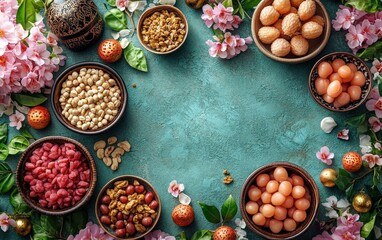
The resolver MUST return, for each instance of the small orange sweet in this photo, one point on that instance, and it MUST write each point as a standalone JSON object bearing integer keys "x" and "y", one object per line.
{"x": 352, "y": 161}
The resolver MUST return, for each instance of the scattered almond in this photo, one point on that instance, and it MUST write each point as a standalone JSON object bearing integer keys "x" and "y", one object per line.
{"x": 110, "y": 154}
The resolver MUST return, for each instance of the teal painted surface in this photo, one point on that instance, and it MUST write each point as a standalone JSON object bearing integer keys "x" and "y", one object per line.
{"x": 192, "y": 116}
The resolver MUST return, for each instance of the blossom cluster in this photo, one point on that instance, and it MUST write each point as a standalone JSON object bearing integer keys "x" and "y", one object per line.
{"x": 222, "y": 18}
{"x": 348, "y": 225}
{"x": 91, "y": 231}
{"x": 27, "y": 58}
{"x": 363, "y": 28}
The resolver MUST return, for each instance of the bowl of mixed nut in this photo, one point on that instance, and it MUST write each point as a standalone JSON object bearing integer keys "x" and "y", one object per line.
{"x": 89, "y": 97}
{"x": 128, "y": 207}
{"x": 162, "y": 29}
{"x": 291, "y": 31}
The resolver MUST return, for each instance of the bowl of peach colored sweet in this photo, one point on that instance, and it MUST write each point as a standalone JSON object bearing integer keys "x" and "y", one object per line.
{"x": 291, "y": 31}
{"x": 340, "y": 82}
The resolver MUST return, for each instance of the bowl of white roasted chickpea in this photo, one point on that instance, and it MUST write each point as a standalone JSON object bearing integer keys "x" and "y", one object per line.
{"x": 291, "y": 31}
{"x": 89, "y": 97}
{"x": 162, "y": 29}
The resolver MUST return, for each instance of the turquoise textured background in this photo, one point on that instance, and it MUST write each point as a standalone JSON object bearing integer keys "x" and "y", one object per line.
{"x": 192, "y": 116}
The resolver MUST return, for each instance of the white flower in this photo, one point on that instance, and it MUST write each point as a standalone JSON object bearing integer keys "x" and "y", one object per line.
{"x": 327, "y": 124}
{"x": 124, "y": 42}
{"x": 241, "y": 234}
{"x": 165, "y": 2}
{"x": 184, "y": 199}
{"x": 365, "y": 143}
{"x": 333, "y": 203}
{"x": 136, "y": 5}
{"x": 377, "y": 232}
{"x": 240, "y": 223}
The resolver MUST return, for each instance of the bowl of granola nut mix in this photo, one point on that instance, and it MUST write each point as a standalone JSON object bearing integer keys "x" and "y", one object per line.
{"x": 162, "y": 29}
{"x": 128, "y": 207}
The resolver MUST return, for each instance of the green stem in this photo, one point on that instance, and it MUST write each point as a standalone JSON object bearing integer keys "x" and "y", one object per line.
{"x": 363, "y": 175}
{"x": 130, "y": 15}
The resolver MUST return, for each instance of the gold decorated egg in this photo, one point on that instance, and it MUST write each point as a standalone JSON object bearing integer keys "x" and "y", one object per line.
{"x": 362, "y": 202}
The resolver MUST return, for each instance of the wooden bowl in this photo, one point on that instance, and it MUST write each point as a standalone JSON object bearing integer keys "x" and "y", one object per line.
{"x": 311, "y": 212}
{"x": 159, "y": 8}
{"x": 348, "y": 58}
{"x": 315, "y": 45}
{"x": 130, "y": 179}
{"x": 56, "y": 93}
{"x": 24, "y": 189}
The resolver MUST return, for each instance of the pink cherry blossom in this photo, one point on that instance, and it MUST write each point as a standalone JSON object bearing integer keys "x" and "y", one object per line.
{"x": 375, "y": 105}
{"x": 36, "y": 36}
{"x": 208, "y": 15}
{"x": 376, "y": 69}
{"x": 91, "y": 231}
{"x": 236, "y": 21}
{"x": 217, "y": 49}
{"x": 5, "y": 222}
{"x": 325, "y": 155}
{"x": 175, "y": 188}
{"x": 368, "y": 31}
{"x": 242, "y": 43}
{"x": 348, "y": 233}
{"x": 343, "y": 134}
{"x": 38, "y": 53}
{"x": 122, "y": 4}
{"x": 375, "y": 124}
{"x": 374, "y": 93}
{"x": 378, "y": 26}
{"x": 354, "y": 37}
{"x": 324, "y": 236}
{"x": 344, "y": 19}
{"x": 372, "y": 160}
{"x": 7, "y": 33}
{"x": 16, "y": 120}
{"x": 159, "y": 235}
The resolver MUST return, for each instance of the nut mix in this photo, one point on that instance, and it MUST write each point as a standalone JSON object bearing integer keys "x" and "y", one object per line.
{"x": 90, "y": 99}
{"x": 163, "y": 31}
{"x": 111, "y": 155}
{"x": 58, "y": 175}
{"x": 285, "y": 20}
{"x": 128, "y": 208}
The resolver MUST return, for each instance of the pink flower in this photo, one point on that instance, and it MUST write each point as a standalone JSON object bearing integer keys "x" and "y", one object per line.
{"x": 376, "y": 69}
{"x": 222, "y": 14}
{"x": 375, "y": 105}
{"x": 344, "y": 19}
{"x": 5, "y": 221}
{"x": 122, "y": 4}
{"x": 354, "y": 36}
{"x": 51, "y": 39}
{"x": 7, "y": 33}
{"x": 159, "y": 235}
{"x": 368, "y": 31}
{"x": 16, "y": 120}
{"x": 217, "y": 49}
{"x": 372, "y": 160}
{"x": 91, "y": 231}
{"x": 324, "y": 236}
{"x": 343, "y": 134}
{"x": 346, "y": 233}
{"x": 175, "y": 188}
{"x": 236, "y": 21}
{"x": 36, "y": 36}
{"x": 374, "y": 93}
{"x": 375, "y": 124}
{"x": 208, "y": 15}
{"x": 38, "y": 53}
{"x": 378, "y": 26}
{"x": 349, "y": 220}
{"x": 325, "y": 155}
{"x": 241, "y": 45}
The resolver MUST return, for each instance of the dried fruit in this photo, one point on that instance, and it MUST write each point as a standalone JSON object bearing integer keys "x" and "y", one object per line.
{"x": 196, "y": 4}
{"x": 311, "y": 30}
{"x": 352, "y": 161}
{"x": 307, "y": 9}
{"x": 38, "y": 117}
{"x": 224, "y": 233}
{"x": 268, "y": 34}
{"x": 269, "y": 15}
{"x": 282, "y": 6}
{"x": 280, "y": 47}
{"x": 299, "y": 45}
{"x": 318, "y": 19}
{"x": 291, "y": 24}
{"x": 183, "y": 215}
{"x": 110, "y": 50}
{"x": 296, "y": 3}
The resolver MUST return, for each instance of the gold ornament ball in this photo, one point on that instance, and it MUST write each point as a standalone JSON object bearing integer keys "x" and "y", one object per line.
{"x": 328, "y": 176}
{"x": 362, "y": 202}
{"x": 23, "y": 226}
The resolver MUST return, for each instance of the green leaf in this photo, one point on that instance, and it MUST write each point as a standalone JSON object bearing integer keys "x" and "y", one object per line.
{"x": 349, "y": 192}
{"x": 25, "y": 133}
{"x": 367, "y": 228}
{"x": 241, "y": 11}
{"x": 227, "y": 3}
{"x": 379, "y": 88}
{"x": 229, "y": 209}
{"x": 3, "y": 151}
{"x": 249, "y": 4}
{"x": 46, "y": 227}
{"x": 3, "y": 133}
{"x": 7, "y": 179}
{"x": 26, "y": 14}
{"x": 17, "y": 144}
{"x": 218, "y": 33}
{"x": 356, "y": 120}
{"x": 181, "y": 236}
{"x": 111, "y": 2}
{"x": 202, "y": 235}
{"x": 344, "y": 179}
{"x": 38, "y": 5}
{"x": 116, "y": 19}
{"x": 74, "y": 222}
{"x": 376, "y": 177}
{"x": 370, "y": 6}
{"x": 18, "y": 204}
{"x": 373, "y": 51}
{"x": 29, "y": 99}
{"x": 135, "y": 57}
{"x": 211, "y": 213}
